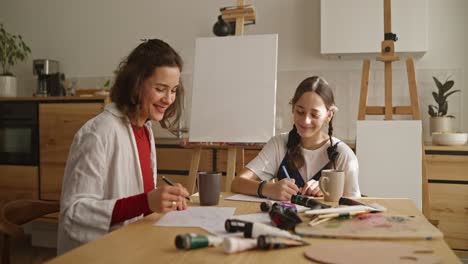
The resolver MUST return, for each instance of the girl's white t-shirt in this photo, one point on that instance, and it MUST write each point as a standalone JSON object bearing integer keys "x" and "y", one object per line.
{"x": 267, "y": 162}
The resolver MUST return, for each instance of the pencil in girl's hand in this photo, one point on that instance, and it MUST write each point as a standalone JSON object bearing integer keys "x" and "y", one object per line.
{"x": 285, "y": 172}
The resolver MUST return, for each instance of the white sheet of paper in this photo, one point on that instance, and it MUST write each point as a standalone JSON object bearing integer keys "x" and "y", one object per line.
{"x": 209, "y": 218}
{"x": 263, "y": 218}
{"x": 246, "y": 198}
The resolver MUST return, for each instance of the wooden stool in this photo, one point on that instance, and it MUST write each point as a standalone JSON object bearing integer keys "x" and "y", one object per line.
{"x": 16, "y": 213}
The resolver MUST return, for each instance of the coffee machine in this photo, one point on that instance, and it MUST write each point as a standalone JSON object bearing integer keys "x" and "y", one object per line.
{"x": 48, "y": 78}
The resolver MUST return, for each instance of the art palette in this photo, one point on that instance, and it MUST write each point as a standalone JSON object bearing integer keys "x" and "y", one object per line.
{"x": 363, "y": 252}
{"x": 373, "y": 226}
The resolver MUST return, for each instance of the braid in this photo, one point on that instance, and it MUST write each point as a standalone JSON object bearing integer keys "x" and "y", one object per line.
{"x": 330, "y": 131}
{"x": 331, "y": 150}
{"x": 295, "y": 157}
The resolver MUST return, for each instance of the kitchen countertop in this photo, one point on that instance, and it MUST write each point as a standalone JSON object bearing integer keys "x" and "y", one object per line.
{"x": 185, "y": 142}
{"x": 52, "y": 98}
{"x": 170, "y": 141}
{"x": 435, "y": 148}
{"x": 427, "y": 145}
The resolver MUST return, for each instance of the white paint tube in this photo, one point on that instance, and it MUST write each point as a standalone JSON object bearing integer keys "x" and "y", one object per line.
{"x": 237, "y": 244}
{"x": 256, "y": 229}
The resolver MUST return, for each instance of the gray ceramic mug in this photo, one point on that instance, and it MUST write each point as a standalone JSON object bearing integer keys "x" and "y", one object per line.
{"x": 209, "y": 187}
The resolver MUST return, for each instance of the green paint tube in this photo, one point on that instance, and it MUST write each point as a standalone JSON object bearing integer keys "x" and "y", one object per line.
{"x": 192, "y": 241}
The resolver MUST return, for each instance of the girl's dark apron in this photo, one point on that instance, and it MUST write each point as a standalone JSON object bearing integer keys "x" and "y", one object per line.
{"x": 294, "y": 173}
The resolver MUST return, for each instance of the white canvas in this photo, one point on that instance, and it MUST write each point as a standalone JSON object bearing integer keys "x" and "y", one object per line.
{"x": 234, "y": 89}
{"x": 390, "y": 159}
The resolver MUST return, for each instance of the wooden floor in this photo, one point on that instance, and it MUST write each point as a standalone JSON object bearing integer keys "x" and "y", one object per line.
{"x": 23, "y": 253}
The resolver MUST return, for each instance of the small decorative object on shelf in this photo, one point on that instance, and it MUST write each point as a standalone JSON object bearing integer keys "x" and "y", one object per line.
{"x": 221, "y": 28}
{"x": 12, "y": 50}
{"x": 233, "y": 19}
{"x": 449, "y": 139}
{"x": 440, "y": 121}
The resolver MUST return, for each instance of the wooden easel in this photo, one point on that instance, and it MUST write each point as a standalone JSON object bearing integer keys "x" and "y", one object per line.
{"x": 240, "y": 15}
{"x": 388, "y": 56}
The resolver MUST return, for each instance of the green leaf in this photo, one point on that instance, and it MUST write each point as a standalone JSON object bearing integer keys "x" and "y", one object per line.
{"x": 438, "y": 83}
{"x": 436, "y": 97}
{"x": 447, "y": 86}
{"x": 443, "y": 109}
{"x": 432, "y": 110}
{"x": 452, "y": 92}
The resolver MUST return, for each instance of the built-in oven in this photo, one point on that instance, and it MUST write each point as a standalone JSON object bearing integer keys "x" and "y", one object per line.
{"x": 19, "y": 133}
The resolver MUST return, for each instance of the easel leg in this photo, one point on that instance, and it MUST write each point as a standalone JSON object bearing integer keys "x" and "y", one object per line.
{"x": 196, "y": 152}
{"x": 388, "y": 91}
{"x": 240, "y": 21}
{"x": 412, "y": 88}
{"x": 364, "y": 89}
{"x": 240, "y": 164}
{"x": 231, "y": 167}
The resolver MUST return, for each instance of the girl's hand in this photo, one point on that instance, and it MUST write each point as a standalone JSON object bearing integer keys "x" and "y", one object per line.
{"x": 281, "y": 190}
{"x": 311, "y": 188}
{"x": 167, "y": 198}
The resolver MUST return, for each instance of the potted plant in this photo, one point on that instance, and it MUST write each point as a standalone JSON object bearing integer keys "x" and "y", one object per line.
{"x": 440, "y": 121}
{"x": 12, "y": 50}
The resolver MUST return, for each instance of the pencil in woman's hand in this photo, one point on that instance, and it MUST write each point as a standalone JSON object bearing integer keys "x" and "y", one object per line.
{"x": 166, "y": 180}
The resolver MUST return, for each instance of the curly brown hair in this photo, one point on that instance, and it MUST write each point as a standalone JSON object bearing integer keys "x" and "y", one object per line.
{"x": 136, "y": 68}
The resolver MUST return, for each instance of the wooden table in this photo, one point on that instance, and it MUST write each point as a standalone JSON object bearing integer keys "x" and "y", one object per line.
{"x": 141, "y": 242}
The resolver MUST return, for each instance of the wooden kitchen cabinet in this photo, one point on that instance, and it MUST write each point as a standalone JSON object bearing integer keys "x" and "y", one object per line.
{"x": 447, "y": 169}
{"x": 18, "y": 182}
{"x": 174, "y": 160}
{"x": 58, "y": 123}
{"x": 221, "y": 161}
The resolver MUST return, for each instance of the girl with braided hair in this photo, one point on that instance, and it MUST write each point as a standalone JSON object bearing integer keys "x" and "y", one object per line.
{"x": 297, "y": 158}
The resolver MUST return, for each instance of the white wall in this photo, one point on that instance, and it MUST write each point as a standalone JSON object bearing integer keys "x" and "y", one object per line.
{"x": 90, "y": 37}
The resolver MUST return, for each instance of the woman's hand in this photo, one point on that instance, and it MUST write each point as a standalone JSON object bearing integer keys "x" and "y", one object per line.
{"x": 311, "y": 188}
{"x": 281, "y": 190}
{"x": 167, "y": 198}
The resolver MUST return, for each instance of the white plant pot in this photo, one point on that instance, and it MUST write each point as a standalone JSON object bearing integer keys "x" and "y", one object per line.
{"x": 8, "y": 86}
{"x": 440, "y": 124}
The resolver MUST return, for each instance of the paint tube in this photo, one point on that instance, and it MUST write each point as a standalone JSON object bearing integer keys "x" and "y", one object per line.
{"x": 192, "y": 241}
{"x": 268, "y": 205}
{"x": 237, "y": 244}
{"x": 347, "y": 201}
{"x": 273, "y": 242}
{"x": 257, "y": 229}
{"x": 284, "y": 217}
{"x": 308, "y": 202}
{"x": 234, "y": 225}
